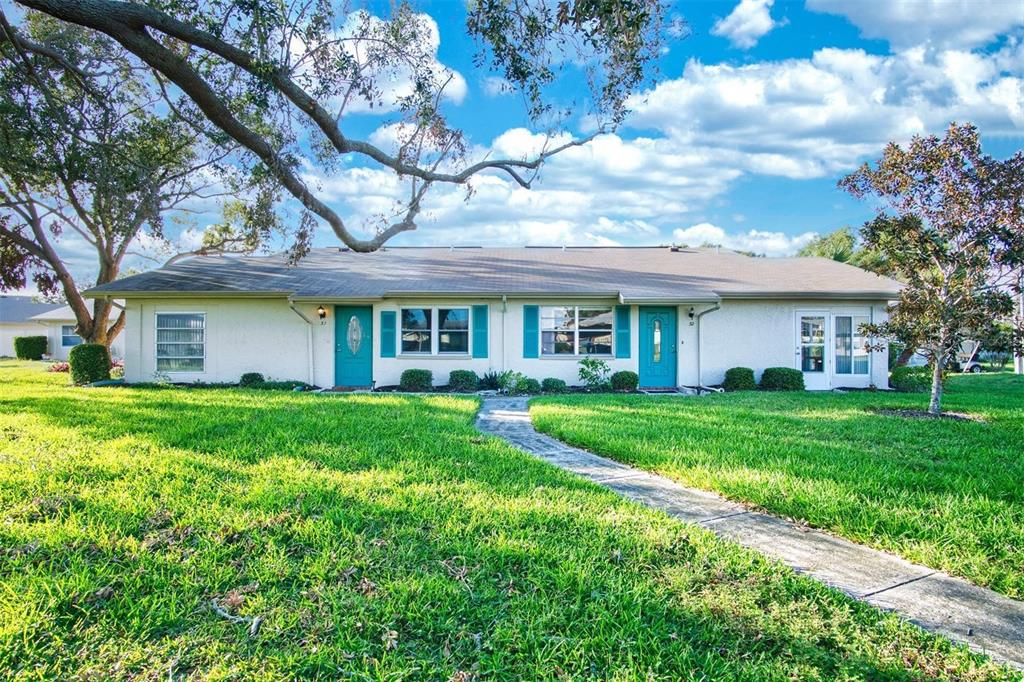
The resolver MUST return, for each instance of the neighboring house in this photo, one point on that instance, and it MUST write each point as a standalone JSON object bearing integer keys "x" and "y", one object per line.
{"x": 16, "y": 320}
{"x": 676, "y": 316}
{"x": 59, "y": 327}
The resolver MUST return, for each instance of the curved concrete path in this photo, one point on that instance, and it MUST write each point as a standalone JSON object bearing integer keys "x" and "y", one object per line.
{"x": 986, "y": 621}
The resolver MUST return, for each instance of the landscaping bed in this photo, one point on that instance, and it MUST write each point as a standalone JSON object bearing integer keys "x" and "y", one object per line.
{"x": 376, "y": 537}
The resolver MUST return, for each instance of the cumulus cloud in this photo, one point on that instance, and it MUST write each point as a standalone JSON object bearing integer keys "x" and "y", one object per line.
{"x": 767, "y": 243}
{"x": 746, "y": 24}
{"x": 944, "y": 23}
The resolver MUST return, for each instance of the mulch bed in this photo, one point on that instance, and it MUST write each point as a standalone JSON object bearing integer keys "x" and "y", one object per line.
{"x": 924, "y": 414}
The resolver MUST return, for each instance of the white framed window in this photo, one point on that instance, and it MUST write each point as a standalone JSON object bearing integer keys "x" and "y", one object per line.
{"x": 180, "y": 342}
{"x": 68, "y": 337}
{"x": 576, "y": 330}
{"x": 852, "y": 356}
{"x": 435, "y": 330}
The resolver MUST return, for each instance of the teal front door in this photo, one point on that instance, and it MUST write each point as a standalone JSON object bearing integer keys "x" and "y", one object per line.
{"x": 353, "y": 346}
{"x": 657, "y": 347}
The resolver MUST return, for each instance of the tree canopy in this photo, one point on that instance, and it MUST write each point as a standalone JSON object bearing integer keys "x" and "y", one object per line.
{"x": 950, "y": 224}
{"x": 281, "y": 81}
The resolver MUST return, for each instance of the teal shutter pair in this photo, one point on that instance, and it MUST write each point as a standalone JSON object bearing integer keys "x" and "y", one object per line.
{"x": 531, "y": 331}
{"x": 389, "y": 332}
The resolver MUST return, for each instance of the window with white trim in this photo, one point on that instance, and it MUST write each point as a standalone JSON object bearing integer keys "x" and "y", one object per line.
{"x": 68, "y": 337}
{"x": 180, "y": 342}
{"x": 576, "y": 330}
{"x": 435, "y": 331}
{"x": 851, "y": 345}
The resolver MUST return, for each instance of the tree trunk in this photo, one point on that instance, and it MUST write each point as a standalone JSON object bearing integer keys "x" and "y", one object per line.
{"x": 904, "y": 357}
{"x": 935, "y": 406}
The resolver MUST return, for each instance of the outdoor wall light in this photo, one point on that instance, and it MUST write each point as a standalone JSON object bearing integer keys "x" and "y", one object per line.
{"x": 321, "y": 312}
{"x": 690, "y": 314}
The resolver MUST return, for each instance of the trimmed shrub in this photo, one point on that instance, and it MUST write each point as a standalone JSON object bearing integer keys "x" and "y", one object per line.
{"x": 416, "y": 380}
{"x": 463, "y": 380}
{"x": 782, "y": 379}
{"x": 89, "y": 362}
{"x": 251, "y": 380}
{"x": 739, "y": 379}
{"x": 29, "y": 347}
{"x": 625, "y": 381}
{"x": 912, "y": 379}
{"x": 529, "y": 386}
{"x": 552, "y": 385}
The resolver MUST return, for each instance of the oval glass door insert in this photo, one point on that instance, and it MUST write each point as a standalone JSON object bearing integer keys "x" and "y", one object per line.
{"x": 354, "y": 334}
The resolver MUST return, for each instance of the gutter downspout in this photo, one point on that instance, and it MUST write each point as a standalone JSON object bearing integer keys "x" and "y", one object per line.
{"x": 309, "y": 341}
{"x": 700, "y": 382}
{"x": 504, "y": 314}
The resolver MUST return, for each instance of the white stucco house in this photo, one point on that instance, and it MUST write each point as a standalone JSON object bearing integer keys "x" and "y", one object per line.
{"x": 676, "y": 316}
{"x": 59, "y": 327}
{"x": 16, "y": 313}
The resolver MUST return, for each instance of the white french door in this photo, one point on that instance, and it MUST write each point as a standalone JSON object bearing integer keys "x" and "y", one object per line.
{"x": 812, "y": 356}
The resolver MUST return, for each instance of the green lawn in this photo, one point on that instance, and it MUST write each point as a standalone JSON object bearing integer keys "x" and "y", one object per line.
{"x": 947, "y": 494}
{"x": 379, "y": 538}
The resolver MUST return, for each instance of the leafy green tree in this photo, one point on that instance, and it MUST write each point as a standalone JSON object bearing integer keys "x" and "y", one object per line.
{"x": 283, "y": 79}
{"x": 950, "y": 223}
{"x": 843, "y": 245}
{"x": 88, "y": 165}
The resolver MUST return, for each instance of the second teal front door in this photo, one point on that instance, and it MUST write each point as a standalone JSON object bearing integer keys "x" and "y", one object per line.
{"x": 353, "y": 346}
{"x": 657, "y": 347}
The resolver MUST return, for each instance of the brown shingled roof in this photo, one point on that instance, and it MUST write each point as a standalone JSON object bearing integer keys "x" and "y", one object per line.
{"x": 630, "y": 273}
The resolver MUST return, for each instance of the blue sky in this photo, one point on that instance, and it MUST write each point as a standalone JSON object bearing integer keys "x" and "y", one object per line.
{"x": 754, "y": 117}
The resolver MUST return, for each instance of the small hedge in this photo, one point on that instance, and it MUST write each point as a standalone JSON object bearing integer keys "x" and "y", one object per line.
{"x": 782, "y": 379}
{"x": 251, "y": 380}
{"x": 625, "y": 381}
{"x": 29, "y": 347}
{"x": 463, "y": 380}
{"x": 528, "y": 386}
{"x": 90, "y": 362}
{"x": 912, "y": 379}
{"x": 552, "y": 385}
{"x": 416, "y": 380}
{"x": 739, "y": 379}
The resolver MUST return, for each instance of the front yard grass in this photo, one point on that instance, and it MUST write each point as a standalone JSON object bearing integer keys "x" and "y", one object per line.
{"x": 945, "y": 493}
{"x": 379, "y": 538}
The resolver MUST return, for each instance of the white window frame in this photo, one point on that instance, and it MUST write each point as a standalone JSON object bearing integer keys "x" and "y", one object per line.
{"x": 435, "y": 332}
{"x": 156, "y": 327}
{"x": 64, "y": 336}
{"x": 853, "y": 329}
{"x": 575, "y": 332}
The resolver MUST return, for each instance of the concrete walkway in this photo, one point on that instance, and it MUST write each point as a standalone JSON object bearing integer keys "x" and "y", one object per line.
{"x": 986, "y": 621}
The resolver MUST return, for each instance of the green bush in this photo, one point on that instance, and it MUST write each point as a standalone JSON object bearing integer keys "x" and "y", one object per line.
{"x": 782, "y": 379}
{"x": 739, "y": 379}
{"x": 594, "y": 373}
{"x": 517, "y": 383}
{"x": 251, "y": 380}
{"x": 89, "y": 362}
{"x": 464, "y": 380}
{"x": 490, "y": 381}
{"x": 416, "y": 380}
{"x": 529, "y": 386}
{"x": 625, "y": 381}
{"x": 29, "y": 347}
{"x": 552, "y": 385}
{"x": 912, "y": 379}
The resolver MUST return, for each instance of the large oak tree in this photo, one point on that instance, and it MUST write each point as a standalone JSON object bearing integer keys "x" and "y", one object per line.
{"x": 283, "y": 79}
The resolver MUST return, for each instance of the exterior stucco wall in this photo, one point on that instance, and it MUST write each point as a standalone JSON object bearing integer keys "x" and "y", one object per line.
{"x": 59, "y": 352}
{"x": 760, "y": 334}
{"x": 265, "y": 335}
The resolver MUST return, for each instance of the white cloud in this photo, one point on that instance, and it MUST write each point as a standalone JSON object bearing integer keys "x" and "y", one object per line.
{"x": 496, "y": 87}
{"x": 943, "y": 23}
{"x": 768, "y": 243}
{"x": 746, "y": 24}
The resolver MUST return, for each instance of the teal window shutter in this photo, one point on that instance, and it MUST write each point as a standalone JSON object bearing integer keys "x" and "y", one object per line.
{"x": 387, "y": 334}
{"x": 531, "y": 331}
{"x": 479, "y": 331}
{"x": 622, "y": 334}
